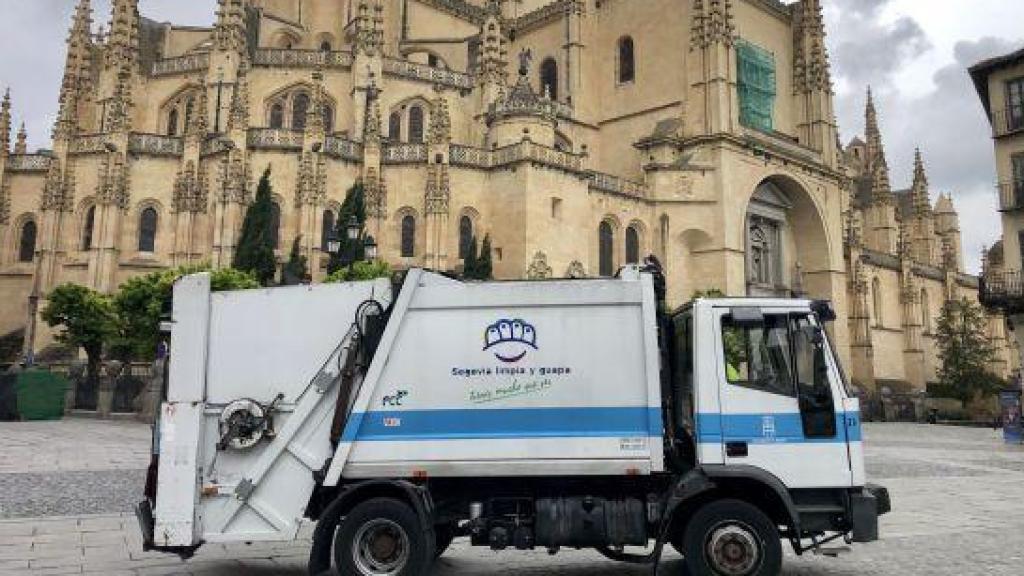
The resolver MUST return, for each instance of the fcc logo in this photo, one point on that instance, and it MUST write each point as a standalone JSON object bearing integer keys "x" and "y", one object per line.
{"x": 510, "y": 340}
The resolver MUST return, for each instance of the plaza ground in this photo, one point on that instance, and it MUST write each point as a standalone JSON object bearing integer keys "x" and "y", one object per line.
{"x": 66, "y": 491}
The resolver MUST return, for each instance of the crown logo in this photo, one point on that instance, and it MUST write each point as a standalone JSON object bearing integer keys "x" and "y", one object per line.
{"x": 510, "y": 340}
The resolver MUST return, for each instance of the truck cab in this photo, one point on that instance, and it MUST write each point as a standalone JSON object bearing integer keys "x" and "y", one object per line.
{"x": 760, "y": 395}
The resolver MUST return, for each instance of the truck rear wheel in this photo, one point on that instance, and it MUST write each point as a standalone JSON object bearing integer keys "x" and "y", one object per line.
{"x": 732, "y": 538}
{"x": 382, "y": 537}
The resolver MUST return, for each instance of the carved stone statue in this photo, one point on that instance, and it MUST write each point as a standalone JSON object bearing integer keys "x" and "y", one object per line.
{"x": 525, "y": 59}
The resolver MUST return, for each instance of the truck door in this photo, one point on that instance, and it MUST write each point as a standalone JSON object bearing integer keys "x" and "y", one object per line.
{"x": 780, "y": 411}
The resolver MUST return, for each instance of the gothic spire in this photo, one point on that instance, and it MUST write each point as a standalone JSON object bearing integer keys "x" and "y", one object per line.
{"x": 371, "y": 128}
{"x": 440, "y": 121}
{"x": 76, "y": 83}
{"x": 5, "y": 124}
{"x": 919, "y": 191}
{"x": 21, "y": 144}
{"x": 238, "y": 117}
{"x": 712, "y": 23}
{"x": 230, "y": 33}
{"x": 811, "y": 67}
{"x": 123, "y": 42}
{"x": 369, "y": 26}
{"x": 878, "y": 166}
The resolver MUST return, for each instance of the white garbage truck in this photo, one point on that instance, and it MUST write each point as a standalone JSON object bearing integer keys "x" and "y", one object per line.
{"x": 398, "y": 415}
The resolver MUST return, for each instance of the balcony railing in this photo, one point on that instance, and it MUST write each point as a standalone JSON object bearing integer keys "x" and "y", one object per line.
{"x": 281, "y": 58}
{"x": 155, "y": 145}
{"x": 29, "y": 162}
{"x": 275, "y": 139}
{"x": 1008, "y": 120}
{"x": 1011, "y": 196}
{"x": 181, "y": 64}
{"x": 1003, "y": 291}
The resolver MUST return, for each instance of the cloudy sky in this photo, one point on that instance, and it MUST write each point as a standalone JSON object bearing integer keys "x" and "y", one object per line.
{"x": 914, "y": 53}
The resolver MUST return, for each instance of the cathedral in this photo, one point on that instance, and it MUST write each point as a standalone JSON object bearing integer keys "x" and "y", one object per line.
{"x": 580, "y": 135}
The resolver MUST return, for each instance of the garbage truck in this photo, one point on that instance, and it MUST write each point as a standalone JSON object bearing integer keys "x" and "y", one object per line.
{"x": 390, "y": 417}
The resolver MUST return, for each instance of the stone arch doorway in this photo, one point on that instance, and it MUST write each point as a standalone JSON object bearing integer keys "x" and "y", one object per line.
{"x": 785, "y": 241}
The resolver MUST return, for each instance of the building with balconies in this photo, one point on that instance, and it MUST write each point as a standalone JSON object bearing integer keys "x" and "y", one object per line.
{"x": 1000, "y": 85}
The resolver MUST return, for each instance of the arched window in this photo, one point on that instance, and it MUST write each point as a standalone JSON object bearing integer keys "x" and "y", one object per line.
{"x": 328, "y": 229}
{"x": 275, "y": 226}
{"x": 606, "y": 249}
{"x": 433, "y": 61}
{"x": 876, "y": 300}
{"x": 408, "y": 236}
{"x": 27, "y": 242}
{"x": 172, "y": 122}
{"x": 395, "y": 126}
{"x": 147, "y": 230}
{"x": 627, "y": 60}
{"x": 300, "y": 106}
{"x": 416, "y": 125}
{"x": 277, "y": 116}
{"x": 328, "y": 119}
{"x": 325, "y": 46}
{"x": 632, "y": 245}
{"x": 664, "y": 221}
{"x": 87, "y": 228}
{"x": 465, "y": 236}
{"x": 549, "y": 78}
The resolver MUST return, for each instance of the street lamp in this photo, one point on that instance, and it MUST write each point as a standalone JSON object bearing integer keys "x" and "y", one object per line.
{"x": 333, "y": 244}
{"x": 353, "y": 229}
{"x": 370, "y": 248}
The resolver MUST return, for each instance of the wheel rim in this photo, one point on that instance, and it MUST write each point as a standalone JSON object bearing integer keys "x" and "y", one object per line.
{"x": 733, "y": 549}
{"x": 380, "y": 548}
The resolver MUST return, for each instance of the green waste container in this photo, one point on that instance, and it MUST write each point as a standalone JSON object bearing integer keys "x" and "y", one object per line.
{"x": 41, "y": 395}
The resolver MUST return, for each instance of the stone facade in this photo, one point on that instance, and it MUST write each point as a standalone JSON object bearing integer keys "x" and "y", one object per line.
{"x": 579, "y": 135}
{"x": 905, "y": 259}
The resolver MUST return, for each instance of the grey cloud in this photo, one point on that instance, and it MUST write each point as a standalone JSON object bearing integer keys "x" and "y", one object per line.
{"x": 868, "y": 50}
{"x": 947, "y": 122}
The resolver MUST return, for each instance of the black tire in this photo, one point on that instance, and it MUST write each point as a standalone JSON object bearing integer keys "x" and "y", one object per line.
{"x": 732, "y": 538}
{"x": 444, "y": 535}
{"x": 382, "y": 536}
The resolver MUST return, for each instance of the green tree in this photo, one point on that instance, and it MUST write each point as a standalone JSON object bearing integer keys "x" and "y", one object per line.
{"x": 360, "y": 271}
{"x": 87, "y": 320}
{"x": 965, "y": 352}
{"x": 297, "y": 268}
{"x": 256, "y": 247}
{"x": 354, "y": 207}
{"x": 140, "y": 302}
{"x": 470, "y": 265}
{"x": 485, "y": 263}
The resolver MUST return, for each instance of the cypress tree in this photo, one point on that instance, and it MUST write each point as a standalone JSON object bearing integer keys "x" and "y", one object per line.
{"x": 255, "y": 252}
{"x": 485, "y": 265}
{"x": 296, "y": 269}
{"x": 471, "y": 266}
{"x": 353, "y": 206}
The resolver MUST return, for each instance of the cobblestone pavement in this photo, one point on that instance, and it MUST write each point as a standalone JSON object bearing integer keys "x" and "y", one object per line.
{"x": 958, "y": 497}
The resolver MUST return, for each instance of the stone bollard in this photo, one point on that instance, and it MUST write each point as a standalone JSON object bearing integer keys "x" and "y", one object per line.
{"x": 76, "y": 375}
{"x": 108, "y": 383}
{"x": 151, "y": 396}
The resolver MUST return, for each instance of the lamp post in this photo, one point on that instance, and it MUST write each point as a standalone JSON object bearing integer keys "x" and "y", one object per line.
{"x": 370, "y": 248}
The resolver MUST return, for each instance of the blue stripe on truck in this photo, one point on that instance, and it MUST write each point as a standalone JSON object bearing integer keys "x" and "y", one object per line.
{"x": 413, "y": 425}
{"x": 770, "y": 428}
{"x": 625, "y": 422}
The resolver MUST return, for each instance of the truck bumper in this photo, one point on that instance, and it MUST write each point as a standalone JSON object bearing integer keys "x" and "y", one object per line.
{"x": 865, "y": 507}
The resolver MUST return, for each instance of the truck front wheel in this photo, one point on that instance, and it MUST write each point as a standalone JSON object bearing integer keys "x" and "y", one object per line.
{"x": 732, "y": 538}
{"x": 382, "y": 537}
